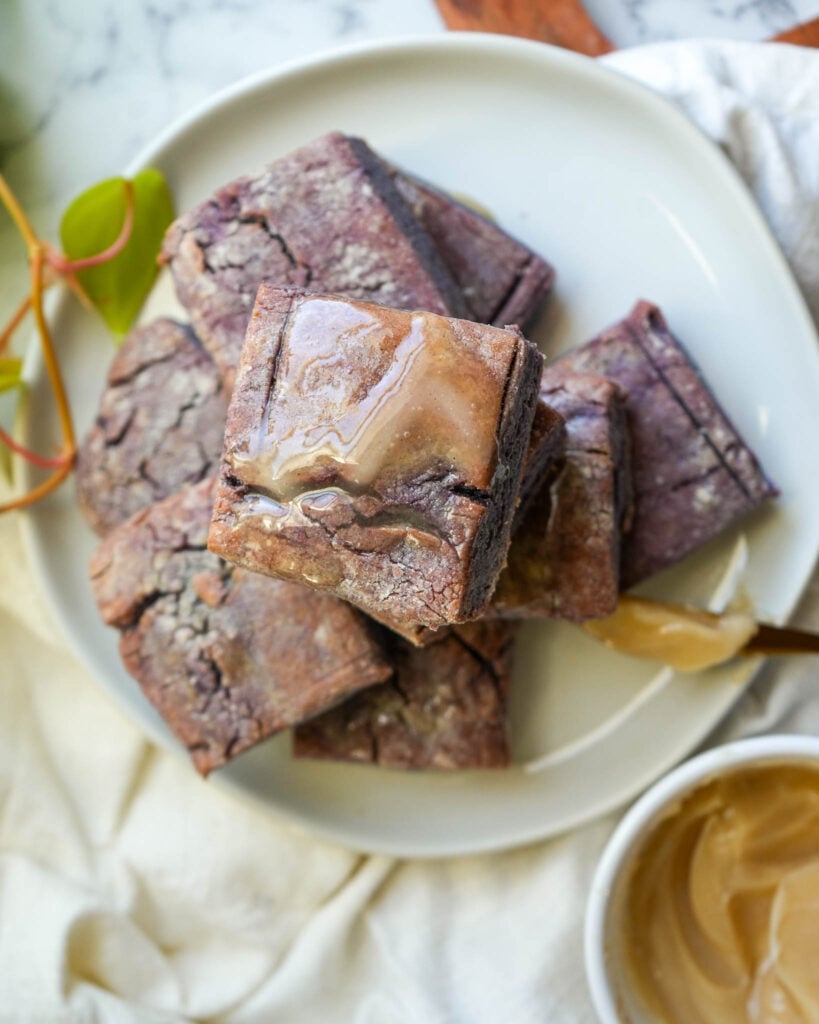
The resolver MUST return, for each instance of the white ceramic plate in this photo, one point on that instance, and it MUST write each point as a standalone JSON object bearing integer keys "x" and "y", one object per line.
{"x": 628, "y": 200}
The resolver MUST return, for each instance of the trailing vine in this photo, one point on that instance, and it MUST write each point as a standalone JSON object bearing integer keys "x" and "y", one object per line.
{"x": 142, "y": 210}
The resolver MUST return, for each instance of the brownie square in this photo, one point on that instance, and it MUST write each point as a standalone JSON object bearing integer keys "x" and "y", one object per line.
{"x": 693, "y": 474}
{"x": 564, "y": 561}
{"x": 502, "y": 280}
{"x": 376, "y": 454}
{"x": 227, "y": 657}
{"x": 160, "y": 425}
{"x": 327, "y": 216}
{"x": 445, "y": 707}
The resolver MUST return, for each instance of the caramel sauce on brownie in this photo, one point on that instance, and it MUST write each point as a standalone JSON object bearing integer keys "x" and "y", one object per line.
{"x": 419, "y": 400}
{"x": 379, "y": 447}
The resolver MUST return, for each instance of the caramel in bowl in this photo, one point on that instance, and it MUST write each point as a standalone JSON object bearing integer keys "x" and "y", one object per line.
{"x": 705, "y": 905}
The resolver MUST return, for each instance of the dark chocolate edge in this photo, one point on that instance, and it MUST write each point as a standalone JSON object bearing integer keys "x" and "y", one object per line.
{"x": 623, "y": 511}
{"x": 621, "y": 457}
{"x": 539, "y": 470}
{"x": 422, "y": 245}
{"x": 516, "y": 306}
{"x": 529, "y": 290}
{"x": 491, "y": 541}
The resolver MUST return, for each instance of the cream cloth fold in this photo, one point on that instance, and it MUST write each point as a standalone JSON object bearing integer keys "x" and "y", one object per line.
{"x": 133, "y": 892}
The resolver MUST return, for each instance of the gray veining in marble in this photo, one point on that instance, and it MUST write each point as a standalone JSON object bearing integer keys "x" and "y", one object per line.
{"x": 629, "y": 22}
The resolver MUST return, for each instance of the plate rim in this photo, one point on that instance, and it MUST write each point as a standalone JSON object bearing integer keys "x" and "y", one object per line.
{"x": 330, "y": 60}
{"x": 480, "y": 41}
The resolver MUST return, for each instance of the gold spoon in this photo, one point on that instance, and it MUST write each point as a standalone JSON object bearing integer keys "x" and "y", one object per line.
{"x": 689, "y": 639}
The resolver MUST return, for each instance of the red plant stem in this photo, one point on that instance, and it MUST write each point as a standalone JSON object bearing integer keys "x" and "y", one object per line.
{"x": 46, "y": 487}
{"x": 65, "y": 266}
{"x": 42, "y": 461}
{"x": 82, "y": 296}
{"x": 43, "y": 259}
{"x": 17, "y": 318}
{"x": 19, "y": 315}
{"x": 16, "y": 213}
{"x": 66, "y": 458}
{"x": 49, "y": 356}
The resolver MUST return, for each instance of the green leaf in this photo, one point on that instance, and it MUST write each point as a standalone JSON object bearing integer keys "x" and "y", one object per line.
{"x": 93, "y": 222}
{"x": 11, "y": 370}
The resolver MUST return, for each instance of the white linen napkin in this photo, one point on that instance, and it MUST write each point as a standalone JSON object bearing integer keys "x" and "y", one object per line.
{"x": 133, "y": 892}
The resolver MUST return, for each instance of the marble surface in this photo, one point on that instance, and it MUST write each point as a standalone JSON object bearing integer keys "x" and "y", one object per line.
{"x": 631, "y": 22}
{"x": 84, "y": 84}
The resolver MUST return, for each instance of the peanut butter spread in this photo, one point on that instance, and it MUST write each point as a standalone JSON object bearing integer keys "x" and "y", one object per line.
{"x": 722, "y": 908}
{"x": 685, "y": 638}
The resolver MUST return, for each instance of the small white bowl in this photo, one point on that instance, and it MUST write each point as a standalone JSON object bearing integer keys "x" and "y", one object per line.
{"x": 612, "y": 993}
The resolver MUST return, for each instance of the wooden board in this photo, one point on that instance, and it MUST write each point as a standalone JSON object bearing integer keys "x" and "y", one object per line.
{"x": 561, "y": 22}
{"x": 806, "y": 34}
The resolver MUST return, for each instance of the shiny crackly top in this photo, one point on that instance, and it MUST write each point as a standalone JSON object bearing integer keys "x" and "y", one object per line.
{"x": 367, "y": 396}
{"x": 722, "y": 908}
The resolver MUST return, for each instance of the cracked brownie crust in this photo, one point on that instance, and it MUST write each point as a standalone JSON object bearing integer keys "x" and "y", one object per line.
{"x": 444, "y": 708}
{"x": 226, "y": 656}
{"x": 693, "y": 474}
{"x": 160, "y": 425}
{"x": 327, "y": 216}
{"x": 375, "y": 454}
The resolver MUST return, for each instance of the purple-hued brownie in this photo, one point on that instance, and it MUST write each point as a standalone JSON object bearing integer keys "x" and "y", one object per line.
{"x": 693, "y": 474}
{"x": 564, "y": 560}
{"x": 502, "y": 280}
{"x": 160, "y": 425}
{"x": 328, "y": 217}
{"x": 226, "y": 656}
{"x": 376, "y": 454}
{"x": 444, "y": 708}
{"x": 332, "y": 216}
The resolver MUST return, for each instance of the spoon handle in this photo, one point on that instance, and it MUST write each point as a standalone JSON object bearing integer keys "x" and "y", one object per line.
{"x": 780, "y": 640}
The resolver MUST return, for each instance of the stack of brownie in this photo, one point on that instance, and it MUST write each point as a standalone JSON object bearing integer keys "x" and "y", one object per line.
{"x": 325, "y": 504}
